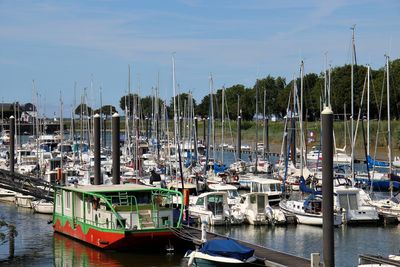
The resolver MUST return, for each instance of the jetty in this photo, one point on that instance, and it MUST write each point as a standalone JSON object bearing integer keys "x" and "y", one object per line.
{"x": 270, "y": 257}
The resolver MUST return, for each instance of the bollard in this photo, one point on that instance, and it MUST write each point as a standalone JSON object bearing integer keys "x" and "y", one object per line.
{"x": 115, "y": 149}
{"x": 327, "y": 188}
{"x": 97, "y": 166}
{"x": 315, "y": 260}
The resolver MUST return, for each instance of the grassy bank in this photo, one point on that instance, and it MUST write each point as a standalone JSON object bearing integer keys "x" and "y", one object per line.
{"x": 378, "y": 139}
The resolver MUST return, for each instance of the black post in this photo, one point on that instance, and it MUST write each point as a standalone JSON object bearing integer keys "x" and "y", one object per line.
{"x": 12, "y": 143}
{"x": 327, "y": 188}
{"x": 115, "y": 149}
{"x": 239, "y": 137}
{"x": 97, "y": 172}
{"x": 104, "y": 132}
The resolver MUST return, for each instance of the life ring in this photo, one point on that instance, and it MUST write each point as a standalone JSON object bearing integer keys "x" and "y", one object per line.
{"x": 235, "y": 178}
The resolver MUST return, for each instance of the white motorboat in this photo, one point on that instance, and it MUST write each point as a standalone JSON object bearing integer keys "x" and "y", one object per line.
{"x": 231, "y": 190}
{"x": 353, "y": 202}
{"x": 257, "y": 211}
{"x": 43, "y": 206}
{"x": 213, "y": 207}
{"x": 7, "y": 195}
{"x": 270, "y": 186}
{"x": 221, "y": 252}
{"x": 308, "y": 211}
{"x": 24, "y": 201}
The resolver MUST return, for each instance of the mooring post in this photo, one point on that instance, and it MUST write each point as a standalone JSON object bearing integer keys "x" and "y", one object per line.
{"x": 97, "y": 167}
{"x": 327, "y": 187}
{"x": 115, "y": 149}
{"x": 11, "y": 240}
{"x": 12, "y": 144}
{"x": 239, "y": 137}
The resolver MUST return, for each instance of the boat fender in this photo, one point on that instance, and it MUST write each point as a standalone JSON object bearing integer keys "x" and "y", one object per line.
{"x": 191, "y": 258}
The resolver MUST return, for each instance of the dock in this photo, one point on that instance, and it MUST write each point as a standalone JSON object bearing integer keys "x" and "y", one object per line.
{"x": 377, "y": 260}
{"x": 270, "y": 257}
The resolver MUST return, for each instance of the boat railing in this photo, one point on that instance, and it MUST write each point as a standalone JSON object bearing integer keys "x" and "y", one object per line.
{"x": 118, "y": 217}
{"x": 108, "y": 225}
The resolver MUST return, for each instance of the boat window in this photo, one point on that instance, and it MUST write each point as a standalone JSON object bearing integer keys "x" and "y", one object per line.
{"x": 272, "y": 187}
{"x": 143, "y": 198}
{"x": 58, "y": 200}
{"x": 88, "y": 207}
{"x": 68, "y": 200}
{"x": 261, "y": 203}
{"x": 254, "y": 187}
{"x": 200, "y": 201}
{"x": 353, "y": 202}
{"x": 233, "y": 193}
{"x": 348, "y": 201}
{"x": 215, "y": 204}
{"x": 252, "y": 199}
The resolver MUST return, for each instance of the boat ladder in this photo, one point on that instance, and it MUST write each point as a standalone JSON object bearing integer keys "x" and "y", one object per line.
{"x": 123, "y": 198}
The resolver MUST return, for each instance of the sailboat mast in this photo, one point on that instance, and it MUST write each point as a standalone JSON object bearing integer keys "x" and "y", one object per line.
{"x": 368, "y": 144}
{"x": 301, "y": 118}
{"x": 222, "y": 121}
{"x": 388, "y": 118}
{"x": 352, "y": 100}
{"x": 61, "y": 131}
{"x": 256, "y": 150}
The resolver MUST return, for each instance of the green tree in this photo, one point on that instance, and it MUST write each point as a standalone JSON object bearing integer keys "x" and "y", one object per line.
{"x": 83, "y": 110}
{"x": 128, "y": 103}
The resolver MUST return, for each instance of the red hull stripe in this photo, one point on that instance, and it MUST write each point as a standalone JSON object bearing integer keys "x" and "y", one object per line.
{"x": 118, "y": 239}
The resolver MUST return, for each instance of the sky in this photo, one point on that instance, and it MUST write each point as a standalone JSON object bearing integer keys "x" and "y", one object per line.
{"x": 53, "y": 51}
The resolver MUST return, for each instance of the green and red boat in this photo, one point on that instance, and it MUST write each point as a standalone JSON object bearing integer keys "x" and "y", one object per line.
{"x": 123, "y": 216}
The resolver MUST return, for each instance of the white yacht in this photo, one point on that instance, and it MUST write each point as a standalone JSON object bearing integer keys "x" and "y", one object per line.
{"x": 213, "y": 207}
{"x": 257, "y": 211}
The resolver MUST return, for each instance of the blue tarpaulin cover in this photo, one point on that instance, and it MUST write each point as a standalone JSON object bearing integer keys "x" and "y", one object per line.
{"x": 304, "y": 188}
{"x": 372, "y": 162}
{"x": 227, "y": 248}
{"x": 219, "y": 168}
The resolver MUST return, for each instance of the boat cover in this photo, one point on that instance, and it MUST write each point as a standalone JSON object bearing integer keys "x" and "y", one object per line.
{"x": 304, "y": 188}
{"x": 227, "y": 248}
{"x": 372, "y": 162}
{"x": 219, "y": 168}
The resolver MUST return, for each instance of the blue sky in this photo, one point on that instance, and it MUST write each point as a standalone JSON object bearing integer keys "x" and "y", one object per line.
{"x": 91, "y": 43}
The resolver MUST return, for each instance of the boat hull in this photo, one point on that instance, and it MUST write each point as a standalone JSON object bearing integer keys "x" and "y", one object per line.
{"x": 117, "y": 239}
{"x": 197, "y": 258}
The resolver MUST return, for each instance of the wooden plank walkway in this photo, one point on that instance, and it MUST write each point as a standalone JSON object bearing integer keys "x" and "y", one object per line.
{"x": 374, "y": 259}
{"x": 270, "y": 257}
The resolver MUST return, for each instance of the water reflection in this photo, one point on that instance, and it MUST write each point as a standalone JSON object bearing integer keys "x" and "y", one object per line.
{"x": 70, "y": 252}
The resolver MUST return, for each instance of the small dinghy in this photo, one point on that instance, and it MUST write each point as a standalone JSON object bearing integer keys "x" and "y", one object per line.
{"x": 221, "y": 252}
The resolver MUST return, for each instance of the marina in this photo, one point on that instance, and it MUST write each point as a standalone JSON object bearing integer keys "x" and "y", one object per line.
{"x": 199, "y": 134}
{"x": 37, "y": 245}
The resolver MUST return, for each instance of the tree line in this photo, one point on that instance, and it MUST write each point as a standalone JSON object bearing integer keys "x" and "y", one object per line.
{"x": 273, "y": 95}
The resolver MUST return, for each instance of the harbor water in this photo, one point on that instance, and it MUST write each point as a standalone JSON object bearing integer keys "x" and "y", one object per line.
{"x": 37, "y": 245}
